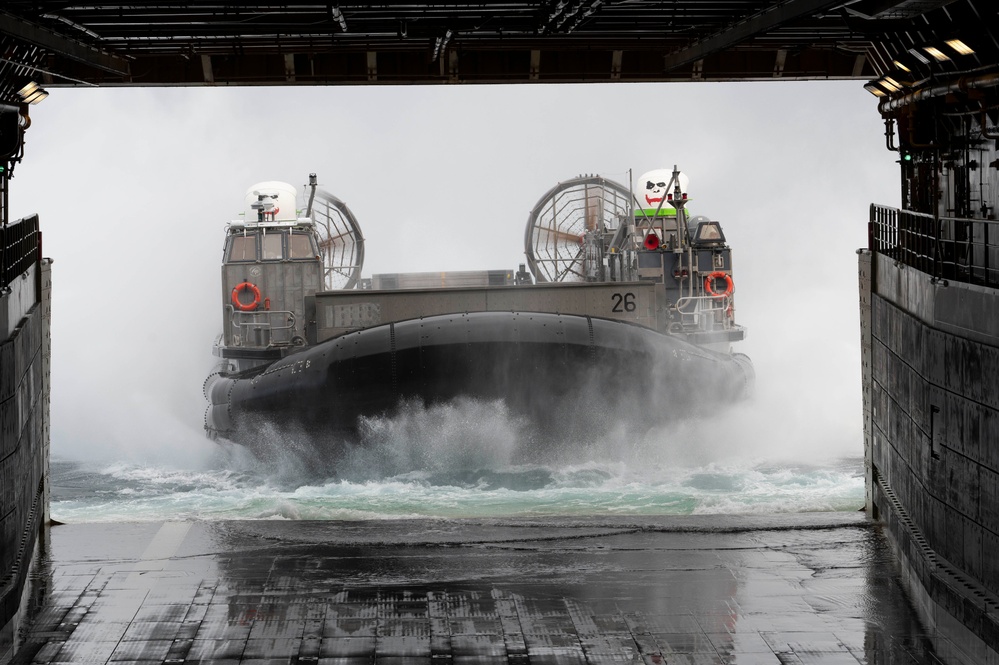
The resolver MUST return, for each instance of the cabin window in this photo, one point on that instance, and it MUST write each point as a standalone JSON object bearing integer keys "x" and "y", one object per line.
{"x": 709, "y": 232}
{"x": 243, "y": 248}
{"x": 300, "y": 247}
{"x": 272, "y": 247}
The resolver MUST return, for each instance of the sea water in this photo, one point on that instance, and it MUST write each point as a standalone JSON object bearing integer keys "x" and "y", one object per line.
{"x": 470, "y": 459}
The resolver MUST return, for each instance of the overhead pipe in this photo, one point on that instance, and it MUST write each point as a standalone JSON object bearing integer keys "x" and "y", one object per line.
{"x": 962, "y": 84}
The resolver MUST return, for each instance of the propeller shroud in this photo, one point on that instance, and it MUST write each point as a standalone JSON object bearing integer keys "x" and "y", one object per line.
{"x": 340, "y": 241}
{"x": 555, "y": 239}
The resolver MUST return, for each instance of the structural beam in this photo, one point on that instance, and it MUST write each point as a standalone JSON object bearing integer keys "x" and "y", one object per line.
{"x": 35, "y": 34}
{"x": 754, "y": 25}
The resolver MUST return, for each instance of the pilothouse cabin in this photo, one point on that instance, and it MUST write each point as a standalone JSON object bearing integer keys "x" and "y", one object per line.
{"x": 271, "y": 263}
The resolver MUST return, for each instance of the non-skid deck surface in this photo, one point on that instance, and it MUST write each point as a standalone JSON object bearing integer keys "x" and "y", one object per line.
{"x": 773, "y": 590}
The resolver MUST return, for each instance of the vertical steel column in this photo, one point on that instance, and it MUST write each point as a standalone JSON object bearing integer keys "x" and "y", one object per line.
{"x": 866, "y": 278}
{"x": 4, "y": 185}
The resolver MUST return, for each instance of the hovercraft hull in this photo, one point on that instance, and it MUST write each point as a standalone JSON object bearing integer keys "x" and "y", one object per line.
{"x": 562, "y": 373}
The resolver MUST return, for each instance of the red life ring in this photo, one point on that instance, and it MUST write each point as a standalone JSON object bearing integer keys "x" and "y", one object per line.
{"x": 709, "y": 284}
{"x": 246, "y": 286}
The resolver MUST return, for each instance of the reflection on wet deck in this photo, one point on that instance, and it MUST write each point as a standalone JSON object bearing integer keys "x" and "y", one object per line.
{"x": 776, "y": 590}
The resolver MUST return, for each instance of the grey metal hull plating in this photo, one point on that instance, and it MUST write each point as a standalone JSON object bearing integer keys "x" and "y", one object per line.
{"x": 931, "y": 411}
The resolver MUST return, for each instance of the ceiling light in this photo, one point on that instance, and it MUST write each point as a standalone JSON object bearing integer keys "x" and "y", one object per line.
{"x": 918, "y": 56}
{"x": 901, "y": 66}
{"x": 889, "y": 84}
{"x": 32, "y": 93}
{"x": 960, "y": 47}
{"x": 875, "y": 90}
{"x": 936, "y": 53}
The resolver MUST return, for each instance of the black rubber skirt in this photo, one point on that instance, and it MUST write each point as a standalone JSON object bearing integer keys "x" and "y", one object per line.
{"x": 548, "y": 368}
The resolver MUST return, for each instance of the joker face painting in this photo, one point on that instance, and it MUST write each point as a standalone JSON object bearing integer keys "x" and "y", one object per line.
{"x": 651, "y": 189}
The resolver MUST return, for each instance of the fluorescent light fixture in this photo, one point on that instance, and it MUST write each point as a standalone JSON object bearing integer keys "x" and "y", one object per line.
{"x": 901, "y": 66}
{"x": 959, "y": 46}
{"x": 890, "y": 84}
{"x": 919, "y": 56}
{"x": 36, "y": 96}
{"x": 32, "y": 93}
{"x": 875, "y": 90}
{"x": 936, "y": 53}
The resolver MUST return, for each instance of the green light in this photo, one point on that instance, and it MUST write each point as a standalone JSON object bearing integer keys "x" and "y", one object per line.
{"x": 907, "y": 157}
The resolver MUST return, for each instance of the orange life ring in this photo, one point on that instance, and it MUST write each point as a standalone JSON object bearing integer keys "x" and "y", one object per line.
{"x": 709, "y": 283}
{"x": 246, "y": 286}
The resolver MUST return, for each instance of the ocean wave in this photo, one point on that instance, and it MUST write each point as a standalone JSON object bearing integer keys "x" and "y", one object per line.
{"x": 122, "y": 492}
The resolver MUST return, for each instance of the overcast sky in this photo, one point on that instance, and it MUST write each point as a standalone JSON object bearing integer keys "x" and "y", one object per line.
{"x": 134, "y": 187}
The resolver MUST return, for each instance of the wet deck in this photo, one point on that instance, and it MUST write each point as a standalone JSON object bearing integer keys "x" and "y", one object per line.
{"x": 749, "y": 591}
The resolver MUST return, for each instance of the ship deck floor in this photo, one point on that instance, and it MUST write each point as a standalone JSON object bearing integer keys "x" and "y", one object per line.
{"x": 773, "y": 590}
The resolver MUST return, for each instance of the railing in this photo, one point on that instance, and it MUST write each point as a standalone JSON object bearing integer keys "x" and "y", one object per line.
{"x": 20, "y": 247}
{"x": 262, "y": 328}
{"x": 703, "y": 313}
{"x": 953, "y": 248}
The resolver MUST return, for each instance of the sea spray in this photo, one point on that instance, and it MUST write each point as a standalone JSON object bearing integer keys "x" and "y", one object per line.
{"x": 467, "y": 459}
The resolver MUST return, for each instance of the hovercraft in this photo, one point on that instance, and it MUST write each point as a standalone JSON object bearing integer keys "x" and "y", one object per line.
{"x": 623, "y": 310}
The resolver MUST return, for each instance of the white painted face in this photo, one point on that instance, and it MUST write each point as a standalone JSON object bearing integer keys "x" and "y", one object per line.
{"x": 651, "y": 189}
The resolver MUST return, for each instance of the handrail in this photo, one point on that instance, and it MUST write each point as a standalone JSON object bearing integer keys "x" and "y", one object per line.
{"x": 271, "y": 328}
{"x": 20, "y": 248}
{"x": 706, "y": 313}
{"x": 718, "y": 303}
{"x": 952, "y": 248}
{"x": 261, "y": 319}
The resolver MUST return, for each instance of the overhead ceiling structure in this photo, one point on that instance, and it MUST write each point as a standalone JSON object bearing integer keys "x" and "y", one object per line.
{"x": 57, "y": 43}
{"x": 904, "y": 48}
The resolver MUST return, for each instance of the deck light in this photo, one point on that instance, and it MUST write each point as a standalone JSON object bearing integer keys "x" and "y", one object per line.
{"x": 891, "y": 84}
{"x": 959, "y": 46}
{"x": 32, "y": 93}
{"x": 936, "y": 53}
{"x": 875, "y": 89}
